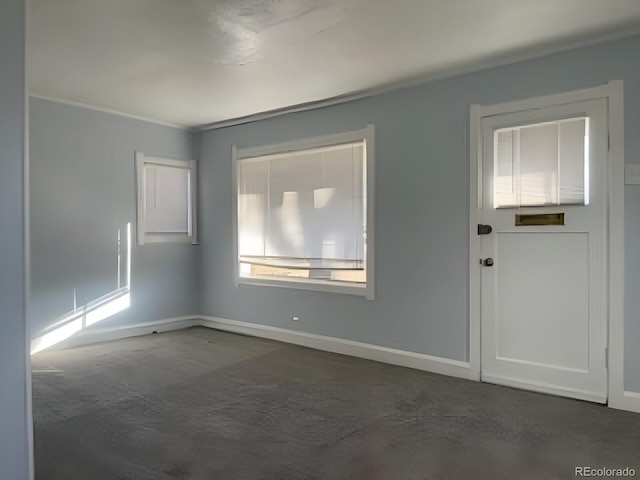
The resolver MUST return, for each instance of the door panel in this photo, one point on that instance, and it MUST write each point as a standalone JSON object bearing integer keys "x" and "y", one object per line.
{"x": 543, "y": 300}
{"x": 548, "y": 283}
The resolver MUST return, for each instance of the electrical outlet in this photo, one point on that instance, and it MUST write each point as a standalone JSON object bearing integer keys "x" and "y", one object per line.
{"x": 296, "y": 319}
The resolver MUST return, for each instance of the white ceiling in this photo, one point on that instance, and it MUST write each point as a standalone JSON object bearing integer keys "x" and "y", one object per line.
{"x": 194, "y": 62}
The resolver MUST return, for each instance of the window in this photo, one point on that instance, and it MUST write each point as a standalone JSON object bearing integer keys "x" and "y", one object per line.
{"x": 166, "y": 200}
{"x": 304, "y": 214}
{"x": 542, "y": 164}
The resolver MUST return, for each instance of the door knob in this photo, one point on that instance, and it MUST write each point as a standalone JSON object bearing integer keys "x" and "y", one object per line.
{"x": 488, "y": 262}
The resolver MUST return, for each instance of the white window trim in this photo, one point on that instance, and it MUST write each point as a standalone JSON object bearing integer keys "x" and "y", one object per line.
{"x": 143, "y": 237}
{"x": 240, "y": 154}
{"x": 613, "y": 91}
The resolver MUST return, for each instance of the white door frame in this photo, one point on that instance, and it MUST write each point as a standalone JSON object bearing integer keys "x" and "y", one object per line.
{"x": 613, "y": 91}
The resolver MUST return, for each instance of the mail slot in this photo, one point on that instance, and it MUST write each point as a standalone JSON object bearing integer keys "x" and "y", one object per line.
{"x": 539, "y": 219}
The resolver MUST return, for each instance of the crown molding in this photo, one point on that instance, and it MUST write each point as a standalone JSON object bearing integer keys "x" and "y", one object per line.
{"x": 109, "y": 111}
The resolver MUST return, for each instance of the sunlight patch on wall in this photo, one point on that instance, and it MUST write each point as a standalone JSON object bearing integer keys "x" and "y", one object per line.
{"x": 108, "y": 309}
{"x": 94, "y": 311}
{"x": 57, "y": 336}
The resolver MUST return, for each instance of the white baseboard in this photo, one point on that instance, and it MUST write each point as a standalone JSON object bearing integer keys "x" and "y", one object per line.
{"x": 352, "y": 348}
{"x": 443, "y": 366}
{"x": 629, "y": 401}
{"x": 89, "y": 336}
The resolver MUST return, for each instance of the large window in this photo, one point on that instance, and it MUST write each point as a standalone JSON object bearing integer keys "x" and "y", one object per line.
{"x": 304, "y": 214}
{"x": 166, "y": 200}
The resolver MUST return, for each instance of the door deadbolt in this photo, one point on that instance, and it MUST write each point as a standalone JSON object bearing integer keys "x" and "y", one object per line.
{"x": 488, "y": 262}
{"x": 484, "y": 229}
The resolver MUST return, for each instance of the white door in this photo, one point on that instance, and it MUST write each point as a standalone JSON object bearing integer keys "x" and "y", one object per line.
{"x": 544, "y": 275}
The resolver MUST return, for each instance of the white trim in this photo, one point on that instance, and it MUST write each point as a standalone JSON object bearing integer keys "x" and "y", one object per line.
{"x": 139, "y": 197}
{"x": 370, "y": 155}
{"x": 536, "y": 103}
{"x": 263, "y": 152}
{"x": 475, "y": 173}
{"x": 26, "y": 215}
{"x": 632, "y": 394}
{"x": 475, "y": 204}
{"x": 165, "y": 162}
{"x": 191, "y": 165}
{"x": 544, "y": 388}
{"x": 613, "y": 91}
{"x": 287, "y": 151}
{"x": 109, "y": 111}
{"x": 429, "y": 363}
{"x": 304, "y": 144}
{"x": 420, "y": 80}
{"x": 443, "y": 366}
{"x": 618, "y": 397}
{"x": 193, "y": 205}
{"x": 95, "y": 335}
{"x": 307, "y": 284}
{"x": 234, "y": 214}
{"x": 420, "y": 361}
{"x": 153, "y": 238}
{"x": 129, "y": 248}
{"x": 629, "y": 401}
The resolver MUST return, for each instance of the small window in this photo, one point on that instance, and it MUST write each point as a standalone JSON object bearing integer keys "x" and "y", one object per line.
{"x": 166, "y": 200}
{"x": 542, "y": 164}
{"x": 304, "y": 214}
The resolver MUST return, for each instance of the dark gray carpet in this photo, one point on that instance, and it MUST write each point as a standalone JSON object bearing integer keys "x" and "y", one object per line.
{"x": 200, "y": 404}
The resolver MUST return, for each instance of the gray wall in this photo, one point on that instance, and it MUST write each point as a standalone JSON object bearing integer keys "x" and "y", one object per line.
{"x": 15, "y": 392}
{"x": 422, "y": 205}
{"x": 82, "y": 193}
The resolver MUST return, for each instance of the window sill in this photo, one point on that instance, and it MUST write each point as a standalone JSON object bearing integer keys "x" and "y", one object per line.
{"x": 162, "y": 238}
{"x": 310, "y": 285}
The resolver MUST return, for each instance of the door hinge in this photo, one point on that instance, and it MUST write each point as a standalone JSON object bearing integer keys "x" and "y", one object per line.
{"x": 606, "y": 357}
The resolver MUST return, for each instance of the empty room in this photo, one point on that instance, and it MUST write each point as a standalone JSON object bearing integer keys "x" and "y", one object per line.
{"x": 319, "y": 239}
